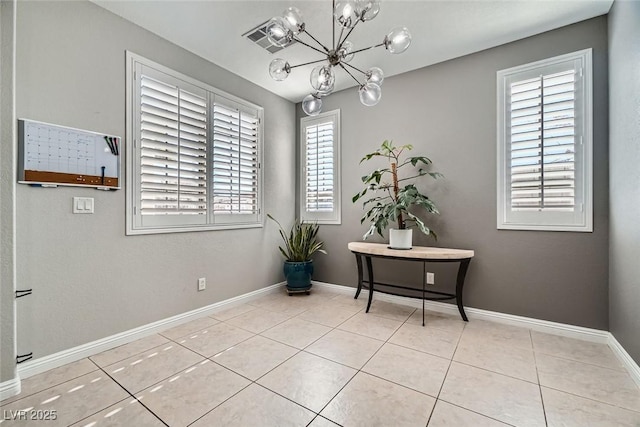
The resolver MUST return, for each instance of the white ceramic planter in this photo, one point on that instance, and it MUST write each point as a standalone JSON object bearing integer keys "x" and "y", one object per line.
{"x": 400, "y": 239}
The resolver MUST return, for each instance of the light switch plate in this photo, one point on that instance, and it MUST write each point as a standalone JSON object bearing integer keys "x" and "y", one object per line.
{"x": 83, "y": 205}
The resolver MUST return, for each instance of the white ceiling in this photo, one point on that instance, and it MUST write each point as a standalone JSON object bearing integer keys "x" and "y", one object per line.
{"x": 441, "y": 30}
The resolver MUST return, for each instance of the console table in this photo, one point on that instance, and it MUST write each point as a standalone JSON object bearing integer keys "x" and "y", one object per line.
{"x": 417, "y": 253}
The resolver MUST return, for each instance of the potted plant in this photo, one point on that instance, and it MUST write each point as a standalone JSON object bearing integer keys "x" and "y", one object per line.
{"x": 394, "y": 196}
{"x": 299, "y": 245}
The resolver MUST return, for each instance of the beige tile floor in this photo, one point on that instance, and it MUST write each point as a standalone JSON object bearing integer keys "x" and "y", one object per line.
{"x": 319, "y": 360}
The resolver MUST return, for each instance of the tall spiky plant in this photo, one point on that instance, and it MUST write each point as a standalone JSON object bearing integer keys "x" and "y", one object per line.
{"x": 301, "y": 242}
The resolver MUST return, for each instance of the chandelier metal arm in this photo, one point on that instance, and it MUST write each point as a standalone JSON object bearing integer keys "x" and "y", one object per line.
{"x": 367, "y": 48}
{"x": 309, "y": 46}
{"x": 307, "y": 63}
{"x": 355, "y": 68}
{"x": 347, "y": 71}
{"x": 333, "y": 31}
{"x": 348, "y": 14}
{"x": 316, "y": 40}
{"x": 340, "y": 42}
{"x": 335, "y": 46}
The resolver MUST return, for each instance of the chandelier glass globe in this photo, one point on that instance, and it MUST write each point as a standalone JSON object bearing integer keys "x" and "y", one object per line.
{"x": 312, "y": 105}
{"x": 346, "y": 13}
{"x": 370, "y": 94}
{"x": 288, "y": 28}
{"x": 293, "y": 20}
{"x": 323, "y": 78}
{"x": 346, "y": 51}
{"x": 277, "y": 32}
{"x": 375, "y": 75}
{"x": 368, "y": 9}
{"x": 398, "y": 40}
{"x": 279, "y": 69}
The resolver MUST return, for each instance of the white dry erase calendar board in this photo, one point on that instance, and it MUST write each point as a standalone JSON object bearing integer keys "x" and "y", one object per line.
{"x": 51, "y": 154}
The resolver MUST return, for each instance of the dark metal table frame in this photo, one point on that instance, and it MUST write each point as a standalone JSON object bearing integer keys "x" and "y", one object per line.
{"x": 439, "y": 296}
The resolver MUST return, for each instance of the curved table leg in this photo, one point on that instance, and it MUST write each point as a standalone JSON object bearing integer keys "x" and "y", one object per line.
{"x": 370, "y": 271}
{"x": 359, "y": 263}
{"x": 462, "y": 271}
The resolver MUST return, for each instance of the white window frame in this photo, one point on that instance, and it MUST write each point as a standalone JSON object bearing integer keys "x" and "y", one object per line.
{"x": 581, "y": 219}
{"x": 335, "y": 216}
{"x": 210, "y": 221}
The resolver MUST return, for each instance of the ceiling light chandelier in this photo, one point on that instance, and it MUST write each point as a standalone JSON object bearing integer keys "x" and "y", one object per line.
{"x": 284, "y": 30}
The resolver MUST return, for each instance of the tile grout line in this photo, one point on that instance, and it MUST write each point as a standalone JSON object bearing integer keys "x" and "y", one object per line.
{"x": 535, "y": 353}
{"x": 360, "y": 369}
{"x": 317, "y": 414}
{"x": 75, "y": 378}
{"x": 3, "y": 403}
{"x": 455, "y": 404}
{"x": 256, "y": 381}
{"x": 535, "y": 361}
{"x": 206, "y": 357}
{"x": 258, "y": 333}
{"x": 182, "y": 370}
{"x": 622, "y": 370}
{"x": 224, "y": 401}
{"x": 168, "y": 377}
{"x": 446, "y": 373}
{"x": 132, "y": 396}
{"x": 322, "y": 357}
{"x": 592, "y": 399}
{"x": 494, "y": 372}
{"x": 388, "y": 342}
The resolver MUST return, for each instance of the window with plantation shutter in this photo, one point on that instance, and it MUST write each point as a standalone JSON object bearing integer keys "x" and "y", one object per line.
{"x": 235, "y": 160}
{"x": 544, "y": 145}
{"x": 173, "y": 150}
{"x": 320, "y": 168}
{"x": 194, "y": 163}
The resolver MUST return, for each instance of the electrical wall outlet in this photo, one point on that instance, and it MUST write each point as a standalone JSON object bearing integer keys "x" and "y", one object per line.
{"x": 431, "y": 278}
{"x": 202, "y": 284}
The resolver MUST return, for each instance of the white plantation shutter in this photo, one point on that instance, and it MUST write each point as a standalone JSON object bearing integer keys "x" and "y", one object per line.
{"x": 544, "y": 145}
{"x": 319, "y": 168}
{"x": 543, "y": 142}
{"x": 235, "y": 160}
{"x": 173, "y": 150}
{"x": 320, "y": 182}
{"x": 195, "y": 155}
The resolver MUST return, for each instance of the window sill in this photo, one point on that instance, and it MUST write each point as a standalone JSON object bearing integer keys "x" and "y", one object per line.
{"x": 165, "y": 230}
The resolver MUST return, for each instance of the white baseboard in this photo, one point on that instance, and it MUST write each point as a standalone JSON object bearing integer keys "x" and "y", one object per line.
{"x": 55, "y": 360}
{"x": 625, "y": 359}
{"x": 9, "y": 388}
{"x": 36, "y": 366}
{"x": 571, "y": 331}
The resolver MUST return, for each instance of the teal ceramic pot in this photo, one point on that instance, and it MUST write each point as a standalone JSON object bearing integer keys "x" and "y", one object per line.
{"x": 298, "y": 275}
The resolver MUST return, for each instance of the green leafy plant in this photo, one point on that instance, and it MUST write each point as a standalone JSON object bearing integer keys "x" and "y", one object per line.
{"x": 301, "y": 242}
{"x": 392, "y": 199}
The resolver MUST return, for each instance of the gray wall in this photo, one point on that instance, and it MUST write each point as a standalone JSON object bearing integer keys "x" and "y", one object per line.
{"x": 89, "y": 279}
{"x": 7, "y": 192}
{"x": 624, "y": 152}
{"x": 448, "y": 112}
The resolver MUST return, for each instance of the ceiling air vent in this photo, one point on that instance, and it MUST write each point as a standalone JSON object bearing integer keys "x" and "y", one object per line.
{"x": 258, "y": 35}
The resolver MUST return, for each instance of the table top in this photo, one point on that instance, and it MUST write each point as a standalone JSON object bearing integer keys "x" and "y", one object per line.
{"x": 417, "y": 252}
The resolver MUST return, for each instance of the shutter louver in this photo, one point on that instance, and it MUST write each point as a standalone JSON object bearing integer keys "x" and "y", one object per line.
{"x": 173, "y": 150}
{"x": 319, "y": 176}
{"x": 542, "y": 141}
{"x": 235, "y": 160}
